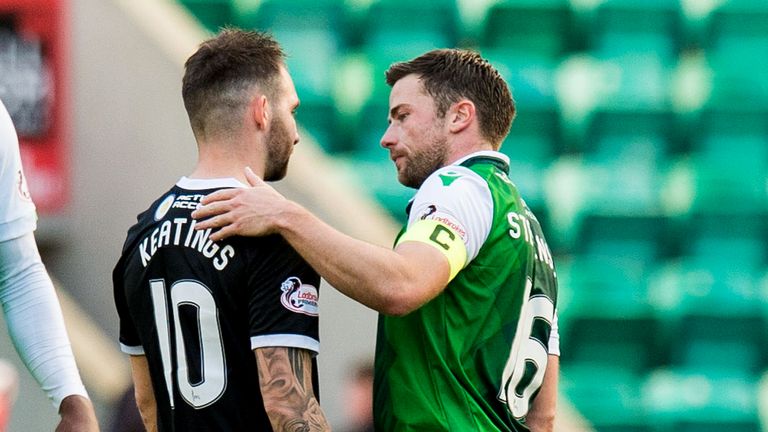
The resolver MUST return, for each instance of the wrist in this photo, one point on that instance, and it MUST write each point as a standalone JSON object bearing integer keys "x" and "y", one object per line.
{"x": 74, "y": 404}
{"x": 286, "y": 217}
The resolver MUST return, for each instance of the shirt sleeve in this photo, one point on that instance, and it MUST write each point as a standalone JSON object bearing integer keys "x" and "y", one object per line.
{"x": 130, "y": 343}
{"x": 35, "y": 321}
{"x": 554, "y": 338}
{"x": 17, "y": 214}
{"x": 461, "y": 200}
{"x": 283, "y": 302}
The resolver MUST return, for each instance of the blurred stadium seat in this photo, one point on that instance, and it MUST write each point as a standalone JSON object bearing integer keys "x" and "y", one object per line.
{"x": 694, "y": 400}
{"x": 389, "y": 24}
{"x": 737, "y": 32}
{"x": 542, "y": 28}
{"x": 651, "y": 27}
{"x": 213, "y": 14}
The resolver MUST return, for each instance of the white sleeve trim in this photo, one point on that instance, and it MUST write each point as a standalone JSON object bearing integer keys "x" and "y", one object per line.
{"x": 132, "y": 350}
{"x": 554, "y": 337}
{"x": 35, "y": 322}
{"x": 464, "y": 204}
{"x": 286, "y": 340}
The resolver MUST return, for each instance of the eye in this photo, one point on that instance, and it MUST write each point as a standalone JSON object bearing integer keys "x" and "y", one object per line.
{"x": 401, "y": 116}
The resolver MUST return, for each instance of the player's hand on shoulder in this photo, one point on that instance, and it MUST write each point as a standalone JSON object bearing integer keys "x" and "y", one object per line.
{"x": 77, "y": 415}
{"x": 241, "y": 211}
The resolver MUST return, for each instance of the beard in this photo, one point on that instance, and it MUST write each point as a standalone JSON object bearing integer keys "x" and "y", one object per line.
{"x": 279, "y": 149}
{"x": 423, "y": 162}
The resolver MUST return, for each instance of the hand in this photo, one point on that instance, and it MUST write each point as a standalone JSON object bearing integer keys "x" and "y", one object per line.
{"x": 77, "y": 415}
{"x": 242, "y": 211}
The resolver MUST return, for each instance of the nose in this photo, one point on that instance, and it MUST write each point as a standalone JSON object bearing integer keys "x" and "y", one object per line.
{"x": 389, "y": 138}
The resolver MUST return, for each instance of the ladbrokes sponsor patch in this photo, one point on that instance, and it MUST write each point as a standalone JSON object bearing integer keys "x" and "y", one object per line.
{"x": 298, "y": 297}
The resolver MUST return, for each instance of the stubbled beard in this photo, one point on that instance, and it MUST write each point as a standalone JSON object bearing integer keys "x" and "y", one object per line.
{"x": 279, "y": 146}
{"x": 422, "y": 163}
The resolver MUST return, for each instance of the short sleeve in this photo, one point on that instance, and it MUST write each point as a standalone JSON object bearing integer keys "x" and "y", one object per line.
{"x": 130, "y": 343}
{"x": 17, "y": 214}
{"x": 459, "y": 198}
{"x": 284, "y": 300}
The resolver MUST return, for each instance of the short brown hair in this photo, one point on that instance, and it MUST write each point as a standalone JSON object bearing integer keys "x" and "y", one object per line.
{"x": 219, "y": 75}
{"x": 448, "y": 75}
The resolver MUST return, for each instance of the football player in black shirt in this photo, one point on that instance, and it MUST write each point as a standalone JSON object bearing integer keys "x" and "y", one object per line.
{"x": 222, "y": 336}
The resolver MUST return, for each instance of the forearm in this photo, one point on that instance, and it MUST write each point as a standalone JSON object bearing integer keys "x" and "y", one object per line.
{"x": 144, "y": 392}
{"x": 541, "y": 416}
{"x": 35, "y": 322}
{"x": 375, "y": 276}
{"x": 285, "y": 379}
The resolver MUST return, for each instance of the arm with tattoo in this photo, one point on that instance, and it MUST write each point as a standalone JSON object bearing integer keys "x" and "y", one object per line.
{"x": 285, "y": 378}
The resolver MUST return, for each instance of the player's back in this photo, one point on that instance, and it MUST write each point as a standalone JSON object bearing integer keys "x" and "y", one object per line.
{"x": 195, "y": 308}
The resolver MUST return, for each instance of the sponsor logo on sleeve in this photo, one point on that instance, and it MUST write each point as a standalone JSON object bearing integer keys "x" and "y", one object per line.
{"x": 298, "y": 297}
{"x": 432, "y": 209}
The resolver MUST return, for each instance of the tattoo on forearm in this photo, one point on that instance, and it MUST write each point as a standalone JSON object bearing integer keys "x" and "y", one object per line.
{"x": 286, "y": 386}
{"x": 297, "y": 364}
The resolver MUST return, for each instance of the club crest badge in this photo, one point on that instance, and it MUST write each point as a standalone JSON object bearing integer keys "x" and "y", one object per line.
{"x": 298, "y": 297}
{"x": 164, "y": 206}
{"x": 21, "y": 186}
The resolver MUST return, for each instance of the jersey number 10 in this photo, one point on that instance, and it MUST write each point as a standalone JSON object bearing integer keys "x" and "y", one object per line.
{"x": 212, "y": 380}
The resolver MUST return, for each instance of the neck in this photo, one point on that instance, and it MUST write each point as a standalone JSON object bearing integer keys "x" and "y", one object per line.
{"x": 463, "y": 148}
{"x": 220, "y": 160}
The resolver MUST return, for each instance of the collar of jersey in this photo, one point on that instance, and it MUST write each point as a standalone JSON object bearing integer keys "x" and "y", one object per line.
{"x": 500, "y": 160}
{"x": 216, "y": 183}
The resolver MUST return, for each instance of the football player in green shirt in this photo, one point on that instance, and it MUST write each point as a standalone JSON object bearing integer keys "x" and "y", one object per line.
{"x": 467, "y": 337}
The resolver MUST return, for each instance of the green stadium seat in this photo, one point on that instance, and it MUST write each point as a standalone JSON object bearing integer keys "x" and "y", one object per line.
{"x": 643, "y": 238}
{"x": 311, "y": 34}
{"x": 606, "y": 316}
{"x": 319, "y": 117}
{"x": 701, "y": 400}
{"x": 728, "y": 242}
{"x": 326, "y": 15}
{"x": 543, "y": 28}
{"x": 389, "y": 24}
{"x": 608, "y": 396}
{"x": 650, "y": 27}
{"x": 730, "y": 158}
{"x": 737, "y": 33}
{"x": 713, "y": 318}
{"x": 213, "y": 14}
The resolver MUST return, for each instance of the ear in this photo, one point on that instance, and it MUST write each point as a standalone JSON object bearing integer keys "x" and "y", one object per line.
{"x": 460, "y": 115}
{"x": 259, "y": 111}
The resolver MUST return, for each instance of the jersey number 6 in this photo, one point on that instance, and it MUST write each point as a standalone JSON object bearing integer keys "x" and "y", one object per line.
{"x": 527, "y": 362}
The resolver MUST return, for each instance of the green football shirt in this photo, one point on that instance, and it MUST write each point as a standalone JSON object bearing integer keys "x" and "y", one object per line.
{"x": 473, "y": 358}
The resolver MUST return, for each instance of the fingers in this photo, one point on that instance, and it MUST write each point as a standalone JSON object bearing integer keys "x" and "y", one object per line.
{"x": 214, "y": 208}
{"x": 220, "y": 195}
{"x": 252, "y": 178}
{"x": 227, "y": 231}
{"x": 214, "y": 222}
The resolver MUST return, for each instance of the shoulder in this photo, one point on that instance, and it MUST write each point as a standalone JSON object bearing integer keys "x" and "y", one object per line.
{"x": 454, "y": 183}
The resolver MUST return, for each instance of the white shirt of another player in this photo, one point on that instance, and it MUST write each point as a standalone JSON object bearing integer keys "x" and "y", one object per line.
{"x": 17, "y": 212}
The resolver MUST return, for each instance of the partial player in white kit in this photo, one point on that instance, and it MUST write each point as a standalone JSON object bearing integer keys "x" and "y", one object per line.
{"x": 32, "y": 311}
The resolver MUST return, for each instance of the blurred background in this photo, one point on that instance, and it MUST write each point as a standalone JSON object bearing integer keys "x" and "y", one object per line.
{"x": 641, "y": 142}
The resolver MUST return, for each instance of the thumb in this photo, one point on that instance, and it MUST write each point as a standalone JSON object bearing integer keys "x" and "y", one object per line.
{"x": 253, "y": 179}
